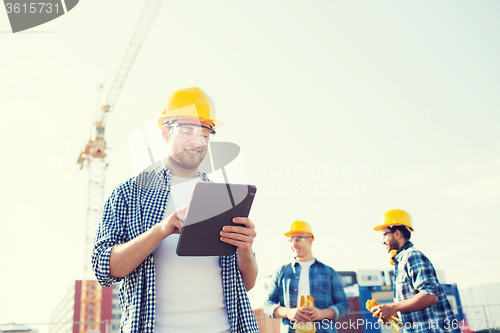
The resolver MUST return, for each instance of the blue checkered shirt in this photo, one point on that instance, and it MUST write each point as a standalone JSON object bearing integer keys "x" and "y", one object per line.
{"x": 415, "y": 274}
{"x": 325, "y": 286}
{"x": 134, "y": 207}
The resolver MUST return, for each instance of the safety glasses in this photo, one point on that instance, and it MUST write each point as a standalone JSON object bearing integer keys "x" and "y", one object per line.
{"x": 298, "y": 239}
{"x": 188, "y": 131}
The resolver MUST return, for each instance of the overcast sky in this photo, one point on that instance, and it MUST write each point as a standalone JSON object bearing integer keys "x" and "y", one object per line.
{"x": 342, "y": 110}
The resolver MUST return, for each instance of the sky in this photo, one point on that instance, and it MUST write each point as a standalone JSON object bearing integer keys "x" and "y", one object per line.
{"x": 342, "y": 110}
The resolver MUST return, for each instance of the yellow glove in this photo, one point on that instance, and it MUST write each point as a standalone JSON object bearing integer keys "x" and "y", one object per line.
{"x": 395, "y": 322}
{"x": 309, "y": 326}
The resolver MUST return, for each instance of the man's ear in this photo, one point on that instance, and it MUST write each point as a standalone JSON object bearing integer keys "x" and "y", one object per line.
{"x": 398, "y": 234}
{"x": 165, "y": 132}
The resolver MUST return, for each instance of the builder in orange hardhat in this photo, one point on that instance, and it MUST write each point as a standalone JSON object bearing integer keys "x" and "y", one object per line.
{"x": 304, "y": 276}
{"x": 418, "y": 295}
{"x": 140, "y": 229}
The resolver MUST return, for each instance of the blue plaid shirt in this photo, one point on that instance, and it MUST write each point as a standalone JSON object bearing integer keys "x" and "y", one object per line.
{"x": 134, "y": 207}
{"x": 415, "y": 274}
{"x": 325, "y": 286}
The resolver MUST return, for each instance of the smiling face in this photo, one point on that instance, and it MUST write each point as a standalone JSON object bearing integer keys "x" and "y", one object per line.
{"x": 186, "y": 146}
{"x": 301, "y": 244}
{"x": 390, "y": 240}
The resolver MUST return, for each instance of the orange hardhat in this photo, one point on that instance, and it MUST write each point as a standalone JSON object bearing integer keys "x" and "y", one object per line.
{"x": 300, "y": 226}
{"x": 191, "y": 103}
{"x": 395, "y": 217}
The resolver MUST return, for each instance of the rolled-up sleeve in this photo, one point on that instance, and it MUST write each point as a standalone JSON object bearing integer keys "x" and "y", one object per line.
{"x": 111, "y": 231}
{"x": 340, "y": 305}
{"x": 422, "y": 274}
{"x": 273, "y": 294}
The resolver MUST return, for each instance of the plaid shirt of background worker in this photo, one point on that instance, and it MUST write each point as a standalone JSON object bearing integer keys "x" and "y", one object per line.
{"x": 325, "y": 287}
{"x": 134, "y": 207}
{"x": 415, "y": 274}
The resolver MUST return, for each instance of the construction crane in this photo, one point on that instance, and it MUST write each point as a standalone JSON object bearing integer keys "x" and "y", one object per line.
{"x": 93, "y": 157}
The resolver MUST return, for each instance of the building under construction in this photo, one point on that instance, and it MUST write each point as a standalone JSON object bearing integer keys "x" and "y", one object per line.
{"x": 68, "y": 316}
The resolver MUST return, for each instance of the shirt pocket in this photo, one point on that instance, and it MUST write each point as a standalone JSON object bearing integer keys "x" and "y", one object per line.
{"x": 400, "y": 286}
{"x": 322, "y": 288}
{"x": 400, "y": 278}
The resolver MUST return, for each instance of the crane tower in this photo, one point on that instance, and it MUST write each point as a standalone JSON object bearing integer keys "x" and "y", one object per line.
{"x": 93, "y": 157}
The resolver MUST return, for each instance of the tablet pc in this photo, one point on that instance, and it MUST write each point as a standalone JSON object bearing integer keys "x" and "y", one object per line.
{"x": 211, "y": 207}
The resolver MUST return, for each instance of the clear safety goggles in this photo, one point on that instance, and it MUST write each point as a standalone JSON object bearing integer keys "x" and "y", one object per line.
{"x": 298, "y": 239}
{"x": 187, "y": 131}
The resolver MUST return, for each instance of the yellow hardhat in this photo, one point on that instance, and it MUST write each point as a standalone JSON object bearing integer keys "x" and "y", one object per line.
{"x": 191, "y": 103}
{"x": 395, "y": 217}
{"x": 300, "y": 226}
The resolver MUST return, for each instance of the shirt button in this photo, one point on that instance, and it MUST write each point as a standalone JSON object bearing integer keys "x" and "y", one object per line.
{"x": 149, "y": 324}
{"x": 297, "y": 277}
{"x": 295, "y": 289}
{"x": 152, "y": 259}
{"x": 150, "y": 291}
{"x": 161, "y": 208}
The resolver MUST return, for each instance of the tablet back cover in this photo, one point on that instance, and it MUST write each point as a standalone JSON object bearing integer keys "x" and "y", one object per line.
{"x": 213, "y": 206}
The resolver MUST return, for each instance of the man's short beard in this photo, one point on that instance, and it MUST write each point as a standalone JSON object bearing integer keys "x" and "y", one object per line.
{"x": 177, "y": 161}
{"x": 393, "y": 245}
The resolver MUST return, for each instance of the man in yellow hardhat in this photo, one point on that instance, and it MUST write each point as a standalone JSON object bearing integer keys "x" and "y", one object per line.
{"x": 136, "y": 241}
{"x": 418, "y": 295}
{"x": 304, "y": 276}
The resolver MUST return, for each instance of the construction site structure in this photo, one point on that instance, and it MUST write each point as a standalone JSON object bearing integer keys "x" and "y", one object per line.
{"x": 93, "y": 157}
{"x": 66, "y": 317}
